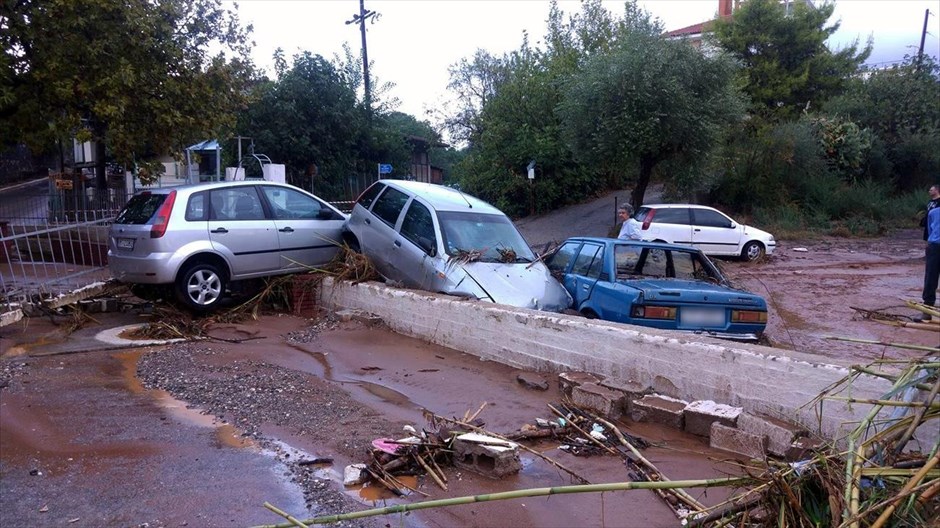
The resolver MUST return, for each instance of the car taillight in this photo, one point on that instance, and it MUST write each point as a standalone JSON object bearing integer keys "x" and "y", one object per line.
{"x": 654, "y": 312}
{"x": 161, "y": 219}
{"x": 649, "y": 219}
{"x": 748, "y": 316}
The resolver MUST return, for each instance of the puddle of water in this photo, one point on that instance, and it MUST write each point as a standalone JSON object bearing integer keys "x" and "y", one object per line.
{"x": 25, "y": 348}
{"x": 384, "y": 393}
{"x": 225, "y": 434}
{"x": 320, "y": 357}
{"x": 375, "y": 492}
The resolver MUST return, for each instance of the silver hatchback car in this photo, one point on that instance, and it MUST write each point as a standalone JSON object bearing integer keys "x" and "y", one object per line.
{"x": 198, "y": 238}
{"x": 439, "y": 239}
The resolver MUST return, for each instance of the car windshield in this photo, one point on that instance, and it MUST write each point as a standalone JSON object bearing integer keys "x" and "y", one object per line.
{"x": 484, "y": 237}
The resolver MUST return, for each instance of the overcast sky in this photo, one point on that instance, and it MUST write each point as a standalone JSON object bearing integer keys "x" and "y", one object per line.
{"x": 414, "y": 41}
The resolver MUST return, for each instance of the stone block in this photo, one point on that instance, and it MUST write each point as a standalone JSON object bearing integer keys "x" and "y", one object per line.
{"x": 737, "y": 441}
{"x": 660, "y": 409}
{"x": 606, "y": 402}
{"x": 366, "y": 318}
{"x": 780, "y": 434}
{"x": 569, "y": 380}
{"x": 701, "y": 414}
{"x": 486, "y": 455}
{"x": 631, "y": 390}
{"x": 804, "y": 448}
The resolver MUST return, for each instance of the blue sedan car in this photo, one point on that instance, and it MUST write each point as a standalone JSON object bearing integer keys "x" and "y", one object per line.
{"x": 656, "y": 285}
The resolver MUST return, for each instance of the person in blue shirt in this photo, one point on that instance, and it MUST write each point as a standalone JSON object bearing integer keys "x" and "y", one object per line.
{"x": 932, "y": 266}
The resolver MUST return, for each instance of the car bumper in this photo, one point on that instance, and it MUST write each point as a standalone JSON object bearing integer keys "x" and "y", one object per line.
{"x": 156, "y": 268}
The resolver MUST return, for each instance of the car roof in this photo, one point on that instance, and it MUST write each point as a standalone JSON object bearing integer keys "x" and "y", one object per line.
{"x": 673, "y": 206}
{"x": 194, "y": 187}
{"x": 442, "y": 198}
{"x": 637, "y": 243}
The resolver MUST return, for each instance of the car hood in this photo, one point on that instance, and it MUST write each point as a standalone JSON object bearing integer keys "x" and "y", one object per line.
{"x": 523, "y": 285}
{"x": 676, "y": 290}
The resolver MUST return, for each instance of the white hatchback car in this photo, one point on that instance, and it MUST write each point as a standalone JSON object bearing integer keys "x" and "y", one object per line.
{"x": 703, "y": 228}
{"x": 439, "y": 239}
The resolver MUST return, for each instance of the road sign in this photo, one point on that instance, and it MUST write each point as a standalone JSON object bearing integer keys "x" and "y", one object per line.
{"x": 385, "y": 168}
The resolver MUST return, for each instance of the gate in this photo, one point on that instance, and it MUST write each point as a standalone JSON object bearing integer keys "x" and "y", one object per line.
{"x": 53, "y": 240}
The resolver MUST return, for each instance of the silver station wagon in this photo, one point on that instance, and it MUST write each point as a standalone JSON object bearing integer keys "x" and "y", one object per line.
{"x": 198, "y": 238}
{"x": 439, "y": 239}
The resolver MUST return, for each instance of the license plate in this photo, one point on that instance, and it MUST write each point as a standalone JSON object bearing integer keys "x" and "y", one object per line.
{"x": 125, "y": 243}
{"x": 702, "y": 317}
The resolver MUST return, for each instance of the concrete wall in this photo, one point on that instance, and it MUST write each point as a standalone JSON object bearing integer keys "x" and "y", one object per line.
{"x": 677, "y": 364}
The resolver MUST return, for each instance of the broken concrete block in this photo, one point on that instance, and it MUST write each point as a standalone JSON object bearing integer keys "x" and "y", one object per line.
{"x": 606, "y": 402}
{"x": 700, "y": 415}
{"x": 345, "y": 315}
{"x": 737, "y": 441}
{"x": 570, "y": 380}
{"x": 631, "y": 390}
{"x": 354, "y": 474}
{"x": 780, "y": 434}
{"x": 804, "y": 448}
{"x": 365, "y": 318}
{"x": 531, "y": 380}
{"x": 486, "y": 455}
{"x": 661, "y": 409}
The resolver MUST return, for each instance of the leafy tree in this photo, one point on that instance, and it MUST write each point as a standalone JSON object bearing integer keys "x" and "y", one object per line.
{"x": 310, "y": 120}
{"x": 787, "y": 66}
{"x": 647, "y": 101}
{"x": 135, "y": 76}
{"x": 899, "y": 105}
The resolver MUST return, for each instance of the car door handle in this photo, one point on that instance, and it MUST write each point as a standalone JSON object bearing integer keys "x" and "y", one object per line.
{"x": 585, "y": 287}
{"x": 397, "y": 243}
{"x": 368, "y": 221}
{"x": 286, "y": 230}
{"x": 219, "y": 230}
{"x": 696, "y": 230}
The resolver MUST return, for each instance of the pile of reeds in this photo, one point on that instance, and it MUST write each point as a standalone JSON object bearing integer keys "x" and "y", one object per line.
{"x": 873, "y": 481}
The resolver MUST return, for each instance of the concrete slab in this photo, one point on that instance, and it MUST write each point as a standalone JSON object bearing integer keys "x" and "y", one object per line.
{"x": 570, "y": 380}
{"x": 701, "y": 414}
{"x": 780, "y": 434}
{"x": 606, "y": 402}
{"x": 737, "y": 441}
{"x": 631, "y": 390}
{"x": 661, "y": 409}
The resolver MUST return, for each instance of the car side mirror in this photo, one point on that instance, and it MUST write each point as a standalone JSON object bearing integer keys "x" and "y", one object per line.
{"x": 427, "y": 245}
{"x": 326, "y": 214}
{"x": 733, "y": 225}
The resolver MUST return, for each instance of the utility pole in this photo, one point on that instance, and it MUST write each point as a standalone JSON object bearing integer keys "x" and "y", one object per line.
{"x": 923, "y": 35}
{"x": 361, "y": 19}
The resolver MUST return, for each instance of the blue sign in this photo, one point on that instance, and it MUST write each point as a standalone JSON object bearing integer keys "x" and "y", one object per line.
{"x": 385, "y": 168}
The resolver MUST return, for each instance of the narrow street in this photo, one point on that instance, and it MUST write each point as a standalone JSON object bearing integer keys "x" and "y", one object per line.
{"x": 103, "y": 437}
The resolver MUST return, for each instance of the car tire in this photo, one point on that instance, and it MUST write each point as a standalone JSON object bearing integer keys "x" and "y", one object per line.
{"x": 352, "y": 242}
{"x": 589, "y": 314}
{"x": 200, "y": 287}
{"x": 752, "y": 251}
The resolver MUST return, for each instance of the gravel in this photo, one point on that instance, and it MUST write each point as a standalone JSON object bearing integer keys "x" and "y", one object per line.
{"x": 253, "y": 394}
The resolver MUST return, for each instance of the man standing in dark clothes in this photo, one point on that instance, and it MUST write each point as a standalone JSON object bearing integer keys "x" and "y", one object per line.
{"x": 932, "y": 236}
{"x": 934, "y": 202}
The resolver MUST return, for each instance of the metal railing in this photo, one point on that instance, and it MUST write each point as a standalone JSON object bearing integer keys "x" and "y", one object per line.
{"x": 43, "y": 259}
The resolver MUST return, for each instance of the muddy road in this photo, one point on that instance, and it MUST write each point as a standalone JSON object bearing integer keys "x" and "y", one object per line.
{"x": 203, "y": 433}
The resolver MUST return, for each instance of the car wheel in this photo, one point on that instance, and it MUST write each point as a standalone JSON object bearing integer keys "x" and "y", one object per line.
{"x": 352, "y": 242}
{"x": 200, "y": 287}
{"x": 752, "y": 251}
{"x": 589, "y": 314}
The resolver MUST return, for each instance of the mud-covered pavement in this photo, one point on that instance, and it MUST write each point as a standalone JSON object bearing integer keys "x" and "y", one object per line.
{"x": 103, "y": 438}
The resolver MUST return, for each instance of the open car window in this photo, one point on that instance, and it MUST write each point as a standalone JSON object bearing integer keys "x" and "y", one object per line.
{"x": 635, "y": 262}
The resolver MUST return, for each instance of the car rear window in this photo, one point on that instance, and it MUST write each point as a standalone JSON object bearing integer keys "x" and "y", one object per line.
{"x": 140, "y": 208}
{"x": 641, "y": 213}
